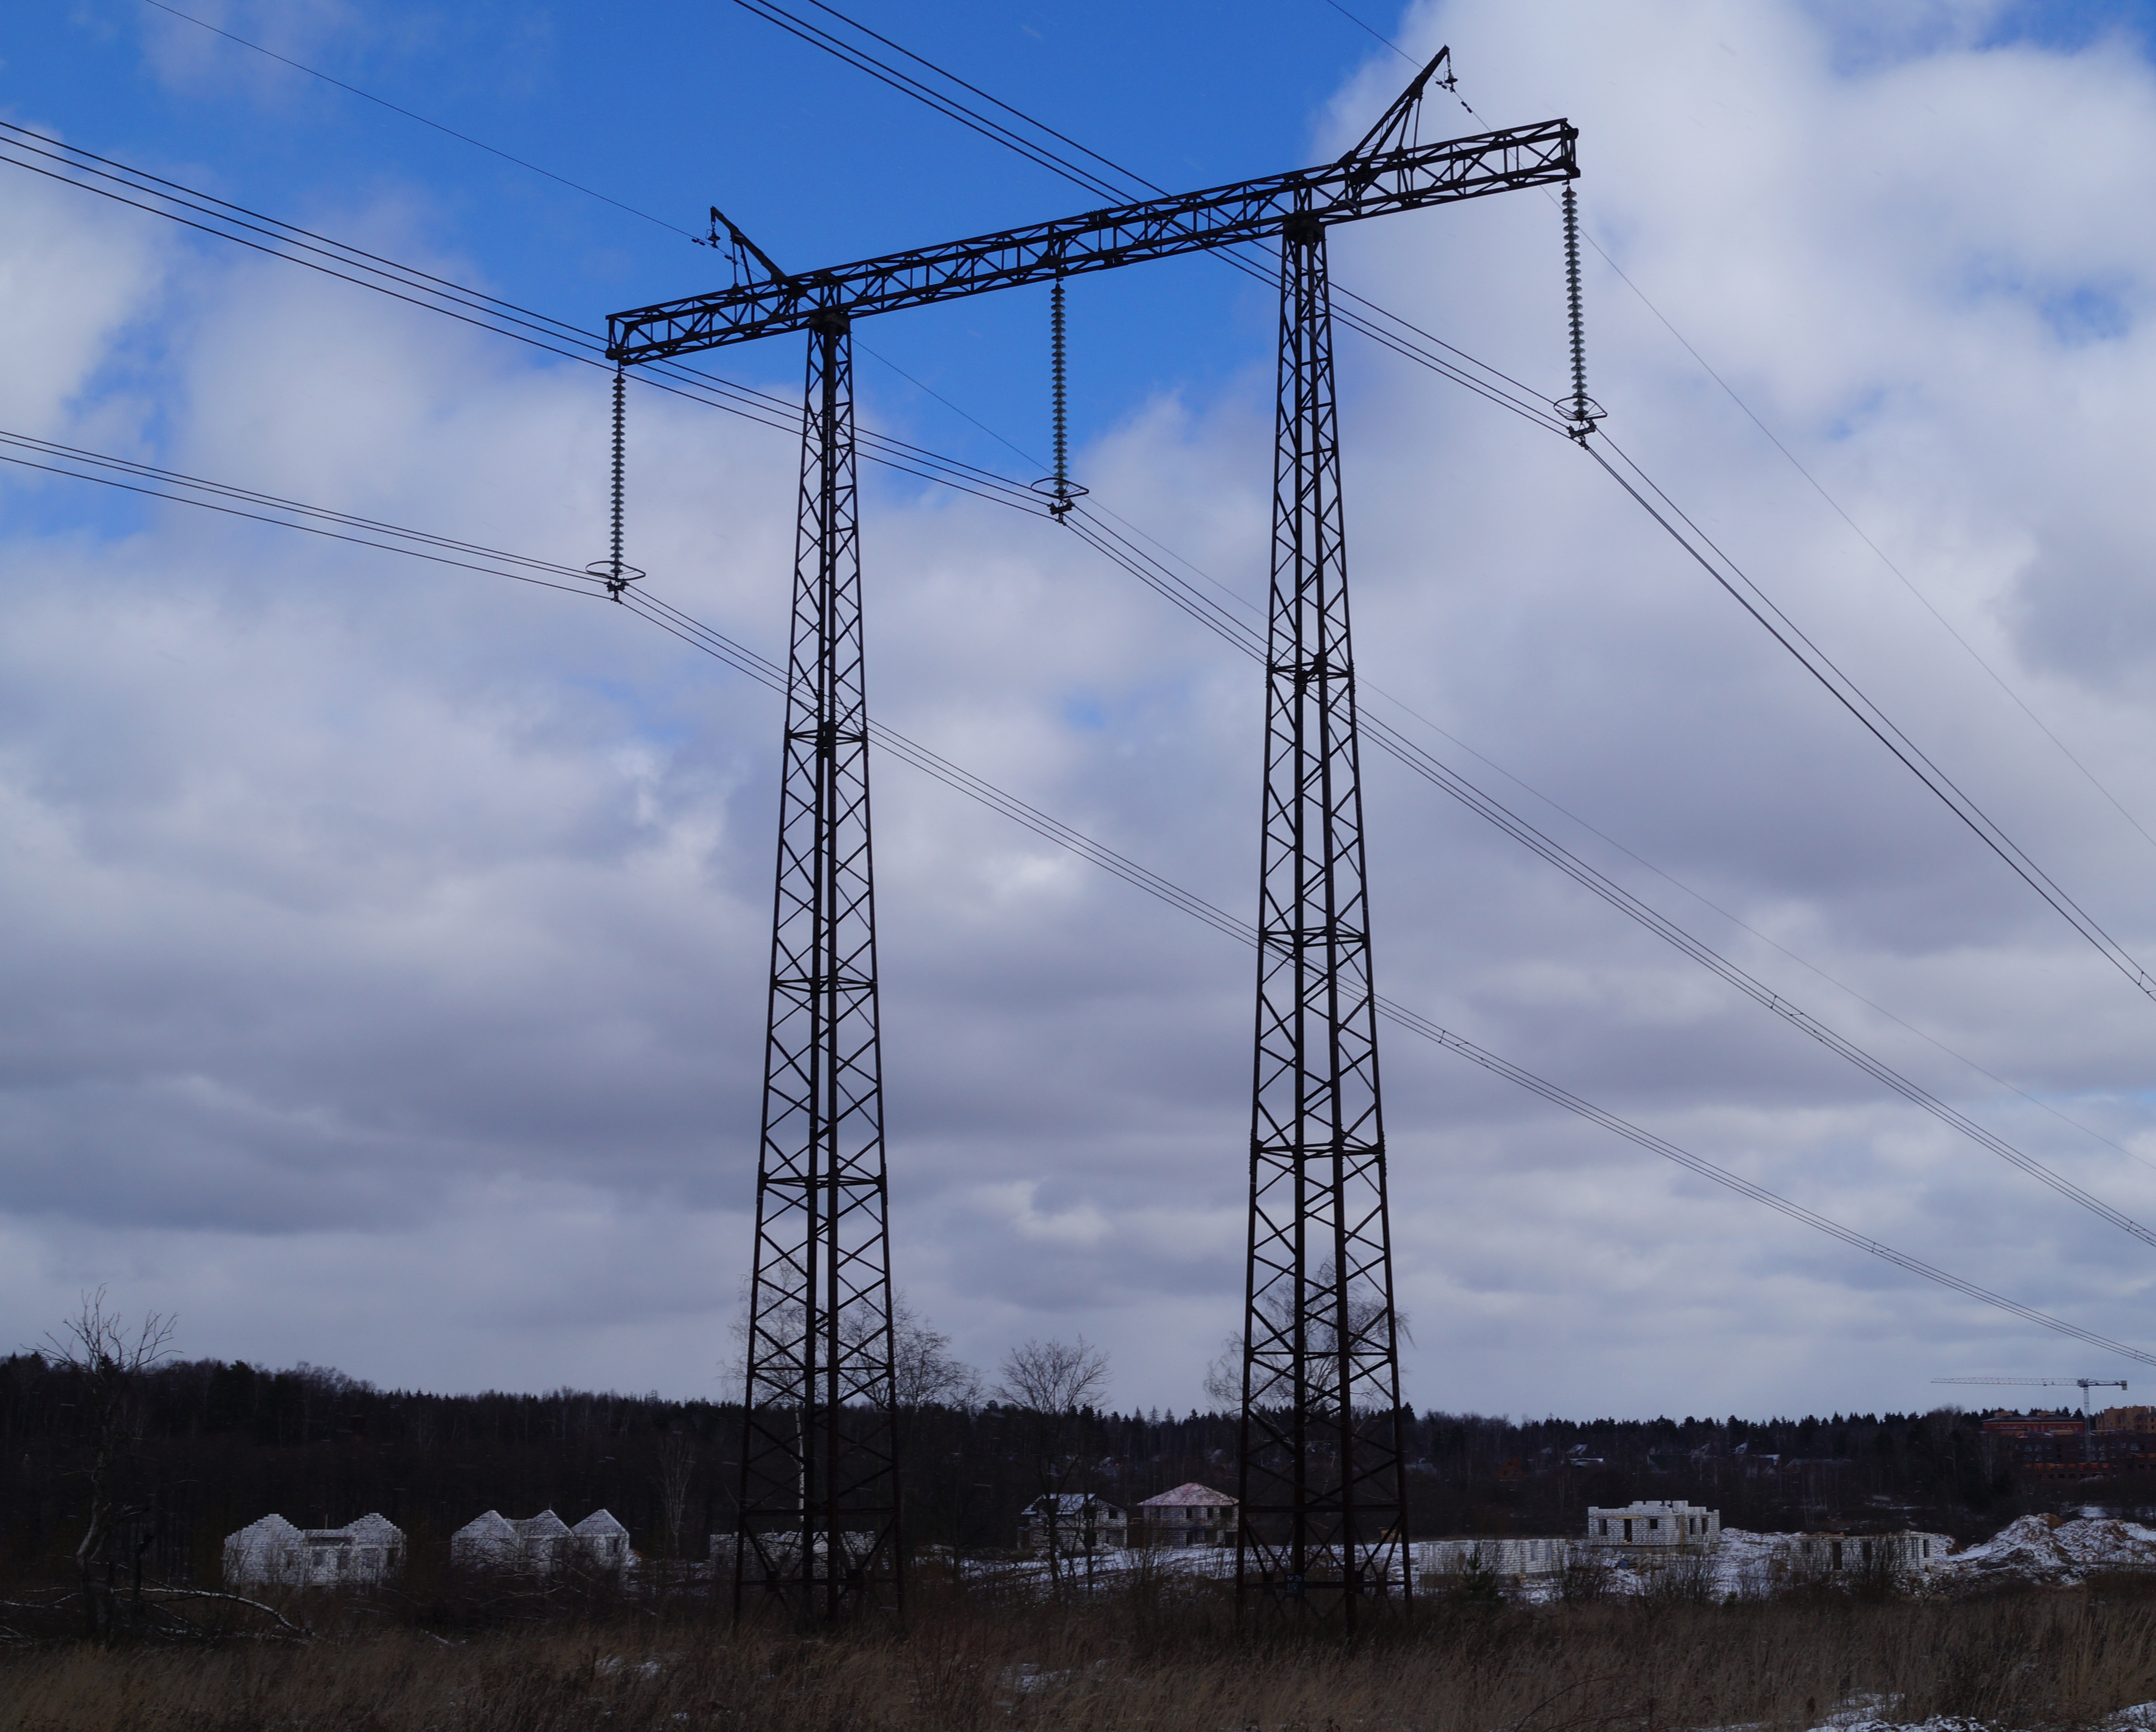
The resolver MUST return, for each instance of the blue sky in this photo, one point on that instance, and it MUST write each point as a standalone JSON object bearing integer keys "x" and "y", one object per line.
{"x": 708, "y": 104}
{"x": 387, "y": 946}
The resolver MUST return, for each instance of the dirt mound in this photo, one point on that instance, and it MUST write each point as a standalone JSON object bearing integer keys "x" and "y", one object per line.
{"x": 2053, "y": 1549}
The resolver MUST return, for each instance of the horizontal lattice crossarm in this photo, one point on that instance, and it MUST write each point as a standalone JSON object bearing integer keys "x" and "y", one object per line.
{"x": 1341, "y": 192}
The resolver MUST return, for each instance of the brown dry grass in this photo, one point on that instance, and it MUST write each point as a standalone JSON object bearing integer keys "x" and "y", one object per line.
{"x": 2027, "y": 1659}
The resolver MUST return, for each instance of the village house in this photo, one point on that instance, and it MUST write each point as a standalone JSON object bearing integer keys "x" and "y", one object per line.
{"x": 1655, "y": 1525}
{"x": 540, "y": 1545}
{"x": 273, "y": 1553}
{"x": 1191, "y": 1514}
{"x": 1074, "y": 1522}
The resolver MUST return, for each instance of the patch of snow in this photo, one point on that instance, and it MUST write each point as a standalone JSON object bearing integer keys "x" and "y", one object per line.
{"x": 1873, "y": 1714}
{"x": 2055, "y": 1551}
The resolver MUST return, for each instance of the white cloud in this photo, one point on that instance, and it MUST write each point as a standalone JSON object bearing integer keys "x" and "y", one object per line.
{"x": 385, "y": 945}
{"x": 69, "y": 280}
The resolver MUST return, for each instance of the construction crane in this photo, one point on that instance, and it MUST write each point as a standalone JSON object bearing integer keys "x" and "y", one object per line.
{"x": 2083, "y": 1384}
{"x": 1323, "y": 1485}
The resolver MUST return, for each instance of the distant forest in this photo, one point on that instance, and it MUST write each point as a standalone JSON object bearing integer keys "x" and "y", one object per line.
{"x": 207, "y": 1447}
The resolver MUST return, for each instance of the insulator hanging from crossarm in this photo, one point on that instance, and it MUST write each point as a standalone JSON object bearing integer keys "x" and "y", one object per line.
{"x": 1580, "y": 410}
{"x": 611, "y": 571}
{"x": 1062, "y": 492}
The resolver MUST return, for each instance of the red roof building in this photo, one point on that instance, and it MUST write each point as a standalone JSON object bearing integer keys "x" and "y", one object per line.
{"x": 1191, "y": 1514}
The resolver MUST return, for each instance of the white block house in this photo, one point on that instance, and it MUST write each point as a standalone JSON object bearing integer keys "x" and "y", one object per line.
{"x": 1655, "y": 1525}
{"x": 1807, "y": 1555}
{"x": 540, "y": 1545}
{"x": 600, "y": 1545}
{"x": 1191, "y": 1514}
{"x": 1512, "y": 1561}
{"x": 1072, "y": 1522}
{"x": 273, "y": 1553}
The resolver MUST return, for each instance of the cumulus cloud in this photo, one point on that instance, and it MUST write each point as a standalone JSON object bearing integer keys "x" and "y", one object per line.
{"x": 386, "y": 946}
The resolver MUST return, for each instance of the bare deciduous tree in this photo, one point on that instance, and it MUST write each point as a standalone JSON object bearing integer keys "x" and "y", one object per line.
{"x": 678, "y": 1453}
{"x": 1366, "y": 1309}
{"x": 106, "y": 1360}
{"x": 925, "y": 1372}
{"x": 1053, "y": 1384}
{"x": 928, "y": 1373}
{"x": 1224, "y": 1376}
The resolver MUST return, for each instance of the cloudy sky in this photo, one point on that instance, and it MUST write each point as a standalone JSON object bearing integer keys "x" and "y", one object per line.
{"x": 385, "y": 945}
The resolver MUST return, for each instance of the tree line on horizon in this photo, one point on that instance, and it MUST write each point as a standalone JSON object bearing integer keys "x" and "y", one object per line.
{"x": 193, "y": 1450}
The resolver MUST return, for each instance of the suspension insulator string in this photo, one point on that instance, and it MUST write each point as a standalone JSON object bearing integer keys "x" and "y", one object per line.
{"x": 616, "y": 575}
{"x": 1062, "y": 398}
{"x": 1581, "y": 410}
{"x": 621, "y": 429}
{"x": 1062, "y": 494}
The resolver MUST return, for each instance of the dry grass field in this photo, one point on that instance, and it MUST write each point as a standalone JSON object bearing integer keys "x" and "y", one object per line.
{"x": 2025, "y": 1658}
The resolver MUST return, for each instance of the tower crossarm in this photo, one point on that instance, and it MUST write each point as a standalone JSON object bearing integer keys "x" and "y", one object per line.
{"x": 1343, "y": 191}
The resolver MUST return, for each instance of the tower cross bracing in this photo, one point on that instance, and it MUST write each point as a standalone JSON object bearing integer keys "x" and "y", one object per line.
{"x": 1320, "y": 1459}
{"x": 818, "y": 1469}
{"x": 1324, "y": 1526}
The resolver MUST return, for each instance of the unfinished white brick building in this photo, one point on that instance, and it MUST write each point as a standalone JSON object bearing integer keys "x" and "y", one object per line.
{"x": 1192, "y": 1514}
{"x": 273, "y": 1553}
{"x": 540, "y": 1544}
{"x": 1656, "y": 1524}
{"x": 1074, "y": 1523}
{"x": 1512, "y": 1562}
{"x": 1805, "y": 1556}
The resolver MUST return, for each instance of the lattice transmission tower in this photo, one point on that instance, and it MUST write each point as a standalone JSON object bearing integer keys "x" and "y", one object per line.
{"x": 1324, "y": 1524}
{"x": 819, "y": 1462}
{"x": 1322, "y": 1491}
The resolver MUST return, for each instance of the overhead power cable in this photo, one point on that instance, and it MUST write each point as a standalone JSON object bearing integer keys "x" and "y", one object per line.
{"x": 466, "y": 555}
{"x": 1518, "y": 398}
{"x": 1441, "y": 775}
{"x": 1814, "y": 661}
{"x": 969, "y": 87}
{"x": 1746, "y": 592}
{"x": 410, "y": 115}
{"x": 252, "y": 229}
{"x": 1812, "y": 480}
{"x": 23, "y": 148}
{"x": 1406, "y": 339}
{"x": 1744, "y": 1188}
{"x": 144, "y": 477}
{"x": 1864, "y": 537}
{"x": 1371, "y": 30}
{"x": 1118, "y": 184}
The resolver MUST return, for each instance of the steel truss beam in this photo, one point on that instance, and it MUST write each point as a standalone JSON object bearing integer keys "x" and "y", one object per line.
{"x": 1323, "y": 1492}
{"x": 818, "y": 1470}
{"x": 1344, "y": 192}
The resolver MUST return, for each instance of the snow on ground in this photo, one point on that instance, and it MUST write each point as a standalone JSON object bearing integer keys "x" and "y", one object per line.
{"x": 2051, "y": 1551}
{"x": 2055, "y": 1551}
{"x": 1874, "y": 1716}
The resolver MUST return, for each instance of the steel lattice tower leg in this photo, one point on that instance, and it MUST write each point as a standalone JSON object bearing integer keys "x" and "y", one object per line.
{"x": 1322, "y": 1484}
{"x": 819, "y": 1471}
